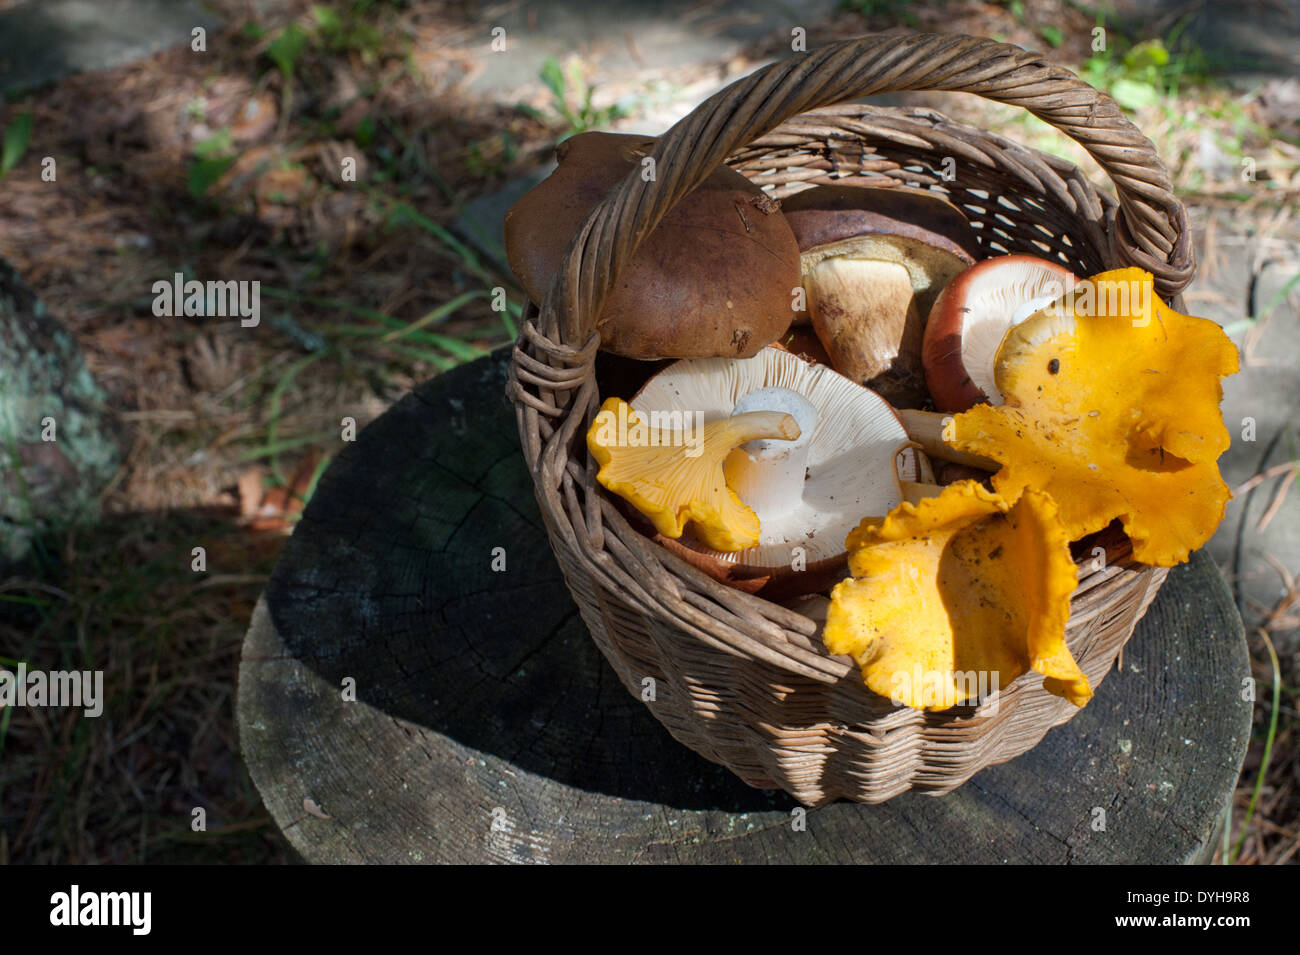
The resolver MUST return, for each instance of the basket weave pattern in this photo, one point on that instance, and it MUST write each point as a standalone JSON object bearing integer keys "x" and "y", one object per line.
{"x": 743, "y": 681}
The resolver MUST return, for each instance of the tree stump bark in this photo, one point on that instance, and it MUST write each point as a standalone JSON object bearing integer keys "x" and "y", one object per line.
{"x": 58, "y": 442}
{"x": 487, "y": 727}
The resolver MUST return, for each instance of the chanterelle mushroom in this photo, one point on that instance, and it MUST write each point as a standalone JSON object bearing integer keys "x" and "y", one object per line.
{"x": 873, "y": 261}
{"x": 972, "y": 315}
{"x": 1112, "y": 408}
{"x": 714, "y": 278}
{"x": 675, "y": 476}
{"x": 956, "y": 596}
{"x": 807, "y": 494}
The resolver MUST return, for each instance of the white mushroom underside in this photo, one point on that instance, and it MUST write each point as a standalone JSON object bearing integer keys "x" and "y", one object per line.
{"x": 1002, "y": 304}
{"x": 851, "y": 469}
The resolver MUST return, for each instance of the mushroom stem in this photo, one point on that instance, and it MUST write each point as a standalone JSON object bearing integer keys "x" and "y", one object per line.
{"x": 757, "y": 427}
{"x": 913, "y": 493}
{"x": 916, "y": 491}
{"x": 926, "y": 429}
{"x": 1025, "y": 309}
{"x": 768, "y": 475}
{"x": 864, "y": 311}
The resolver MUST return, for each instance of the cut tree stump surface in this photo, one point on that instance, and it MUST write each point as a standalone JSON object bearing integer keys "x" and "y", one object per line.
{"x": 487, "y": 727}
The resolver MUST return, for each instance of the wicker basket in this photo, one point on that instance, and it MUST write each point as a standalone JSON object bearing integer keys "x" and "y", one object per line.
{"x": 738, "y": 679}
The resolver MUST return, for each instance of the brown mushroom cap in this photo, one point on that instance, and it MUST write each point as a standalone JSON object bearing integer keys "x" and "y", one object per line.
{"x": 714, "y": 279}
{"x": 824, "y": 216}
{"x": 874, "y": 260}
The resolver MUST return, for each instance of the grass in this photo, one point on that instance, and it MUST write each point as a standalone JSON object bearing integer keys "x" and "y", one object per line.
{"x": 1276, "y": 299}
{"x": 120, "y": 788}
{"x": 1230, "y": 857}
{"x": 349, "y": 342}
{"x": 16, "y": 137}
{"x": 284, "y": 51}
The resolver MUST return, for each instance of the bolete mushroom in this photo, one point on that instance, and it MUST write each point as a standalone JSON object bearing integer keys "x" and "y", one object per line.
{"x": 956, "y": 596}
{"x": 808, "y": 494}
{"x": 874, "y": 260}
{"x": 715, "y": 277}
{"x": 972, "y": 315}
{"x": 1112, "y": 408}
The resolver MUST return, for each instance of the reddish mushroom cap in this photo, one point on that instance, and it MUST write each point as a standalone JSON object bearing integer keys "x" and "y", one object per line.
{"x": 970, "y": 318}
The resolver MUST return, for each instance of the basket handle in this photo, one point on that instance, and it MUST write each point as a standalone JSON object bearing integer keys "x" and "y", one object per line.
{"x": 1150, "y": 224}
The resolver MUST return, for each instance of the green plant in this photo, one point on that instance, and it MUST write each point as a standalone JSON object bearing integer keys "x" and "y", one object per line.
{"x": 284, "y": 51}
{"x": 9, "y": 663}
{"x": 1276, "y": 299}
{"x": 365, "y": 131}
{"x": 372, "y": 334}
{"x": 327, "y": 20}
{"x": 350, "y": 31}
{"x": 17, "y": 136}
{"x": 1230, "y": 857}
{"x": 212, "y": 157}
{"x": 381, "y": 330}
{"x": 403, "y": 213}
{"x": 286, "y": 48}
{"x": 571, "y": 99}
{"x": 1137, "y": 75}
{"x": 491, "y": 157}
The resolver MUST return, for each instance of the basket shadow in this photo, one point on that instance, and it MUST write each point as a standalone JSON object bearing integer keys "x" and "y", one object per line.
{"x": 389, "y": 579}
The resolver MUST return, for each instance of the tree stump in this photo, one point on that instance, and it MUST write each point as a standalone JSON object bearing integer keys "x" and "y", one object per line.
{"x": 58, "y": 440}
{"x": 487, "y": 727}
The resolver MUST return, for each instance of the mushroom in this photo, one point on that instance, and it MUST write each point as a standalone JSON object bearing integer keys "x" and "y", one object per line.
{"x": 807, "y": 494}
{"x": 1112, "y": 408}
{"x": 970, "y": 318}
{"x": 714, "y": 278}
{"x": 932, "y": 431}
{"x": 673, "y": 476}
{"x": 873, "y": 261}
{"x": 956, "y": 596}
